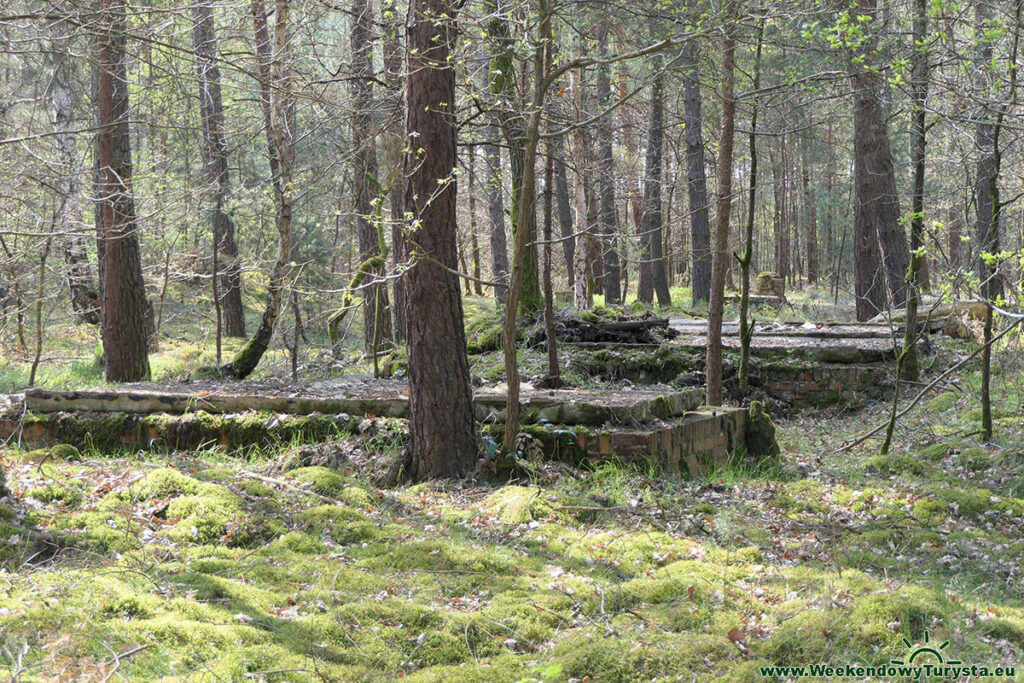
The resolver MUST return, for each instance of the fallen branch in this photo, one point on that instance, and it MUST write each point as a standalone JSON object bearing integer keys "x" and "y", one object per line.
{"x": 116, "y": 661}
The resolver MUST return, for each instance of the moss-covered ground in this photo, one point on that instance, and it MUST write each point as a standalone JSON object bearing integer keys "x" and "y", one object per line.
{"x": 195, "y": 566}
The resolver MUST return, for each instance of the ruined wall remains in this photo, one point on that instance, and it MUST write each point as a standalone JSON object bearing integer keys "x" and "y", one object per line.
{"x": 825, "y": 385}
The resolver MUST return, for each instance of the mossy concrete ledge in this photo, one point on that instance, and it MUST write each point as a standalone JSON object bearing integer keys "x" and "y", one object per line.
{"x": 567, "y": 407}
{"x": 145, "y": 402}
{"x": 114, "y": 431}
{"x": 589, "y": 408}
{"x": 690, "y": 445}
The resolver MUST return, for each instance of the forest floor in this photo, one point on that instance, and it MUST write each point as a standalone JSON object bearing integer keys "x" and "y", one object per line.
{"x": 200, "y": 566}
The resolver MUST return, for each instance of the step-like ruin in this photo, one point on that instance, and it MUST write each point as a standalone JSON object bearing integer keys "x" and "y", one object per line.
{"x": 669, "y": 430}
{"x": 804, "y": 365}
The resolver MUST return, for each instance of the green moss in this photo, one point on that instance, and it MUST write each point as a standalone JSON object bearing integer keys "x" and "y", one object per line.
{"x": 71, "y": 498}
{"x": 344, "y": 525}
{"x": 61, "y": 451}
{"x": 809, "y": 637}
{"x": 250, "y": 531}
{"x": 1003, "y": 629}
{"x": 966, "y": 502}
{"x": 974, "y": 459}
{"x": 662, "y": 407}
{"x": 203, "y": 518}
{"x": 129, "y": 607}
{"x": 519, "y": 505}
{"x": 934, "y": 453}
{"x": 301, "y": 543}
{"x": 357, "y": 497}
{"x": 760, "y": 434}
{"x": 256, "y": 488}
{"x": 108, "y": 531}
{"x": 894, "y": 464}
{"x": 324, "y": 481}
{"x": 942, "y": 402}
{"x": 912, "y": 609}
{"x": 751, "y": 554}
{"x": 444, "y": 648}
{"x": 165, "y": 482}
{"x": 593, "y": 655}
{"x": 485, "y": 341}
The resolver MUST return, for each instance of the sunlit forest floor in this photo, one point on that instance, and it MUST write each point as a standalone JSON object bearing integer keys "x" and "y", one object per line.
{"x": 205, "y": 566}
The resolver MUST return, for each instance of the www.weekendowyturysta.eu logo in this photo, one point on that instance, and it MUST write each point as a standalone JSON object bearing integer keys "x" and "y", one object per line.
{"x": 923, "y": 661}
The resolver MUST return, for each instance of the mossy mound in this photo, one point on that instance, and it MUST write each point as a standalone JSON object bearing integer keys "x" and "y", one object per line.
{"x": 61, "y": 451}
{"x": 760, "y": 436}
{"x": 520, "y": 505}
{"x": 70, "y": 497}
{"x": 964, "y": 502}
{"x": 894, "y": 464}
{"x": 942, "y": 402}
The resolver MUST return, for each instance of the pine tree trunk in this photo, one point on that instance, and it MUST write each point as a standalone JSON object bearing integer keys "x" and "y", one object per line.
{"x": 745, "y": 260}
{"x": 877, "y": 208}
{"x": 215, "y": 157}
{"x": 909, "y": 365}
{"x": 720, "y": 254}
{"x": 395, "y": 140}
{"x": 697, "y": 185}
{"x": 811, "y": 238}
{"x": 274, "y": 71}
{"x": 126, "y": 319}
{"x": 513, "y": 126}
{"x": 986, "y": 188}
{"x": 652, "y": 262}
{"x": 441, "y": 427}
{"x": 564, "y": 210}
{"x": 376, "y": 313}
{"x": 608, "y": 221}
{"x": 473, "y": 239}
{"x": 85, "y": 300}
{"x": 496, "y": 210}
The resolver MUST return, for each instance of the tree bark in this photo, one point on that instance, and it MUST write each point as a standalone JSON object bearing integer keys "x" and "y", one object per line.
{"x": 395, "y": 139}
{"x": 746, "y": 323}
{"x": 531, "y": 138}
{"x": 215, "y": 157}
{"x": 85, "y": 300}
{"x": 811, "y": 236}
{"x": 652, "y": 261}
{"x": 720, "y": 254}
{"x": 473, "y": 239}
{"x": 441, "y": 426}
{"x": 564, "y": 210}
{"x": 608, "y": 220}
{"x": 587, "y": 262}
{"x": 278, "y": 104}
{"x": 126, "y": 318}
{"x": 877, "y": 208}
{"x": 553, "y": 378}
{"x": 513, "y": 125}
{"x": 496, "y": 210}
{"x": 908, "y": 360}
{"x": 986, "y": 187}
{"x": 697, "y": 185}
{"x": 376, "y": 316}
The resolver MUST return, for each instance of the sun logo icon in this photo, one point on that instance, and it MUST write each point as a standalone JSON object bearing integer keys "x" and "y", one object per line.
{"x": 925, "y": 649}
